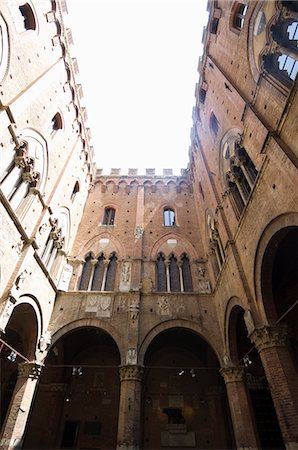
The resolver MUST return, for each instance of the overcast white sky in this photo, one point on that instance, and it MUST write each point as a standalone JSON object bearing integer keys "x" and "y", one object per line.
{"x": 138, "y": 68}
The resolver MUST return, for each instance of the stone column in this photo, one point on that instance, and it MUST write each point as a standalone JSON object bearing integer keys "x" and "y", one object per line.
{"x": 129, "y": 421}
{"x": 14, "y": 426}
{"x": 242, "y": 418}
{"x": 271, "y": 343}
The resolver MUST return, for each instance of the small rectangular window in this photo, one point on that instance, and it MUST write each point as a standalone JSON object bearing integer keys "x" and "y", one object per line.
{"x": 109, "y": 216}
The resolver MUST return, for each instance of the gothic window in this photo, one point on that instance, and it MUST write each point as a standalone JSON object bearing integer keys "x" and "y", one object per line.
{"x": 161, "y": 280}
{"x": 109, "y": 216}
{"x": 98, "y": 275}
{"x": 239, "y": 173}
{"x": 213, "y": 124}
{"x": 174, "y": 275}
{"x": 283, "y": 62}
{"x": 56, "y": 122}
{"x": 76, "y": 189}
{"x": 57, "y": 239}
{"x": 4, "y": 48}
{"x": 86, "y": 274}
{"x": 168, "y": 217}
{"x": 217, "y": 251}
{"x": 111, "y": 273}
{"x": 25, "y": 168}
{"x": 24, "y": 17}
{"x": 186, "y": 274}
{"x": 214, "y": 25}
{"x": 239, "y": 12}
{"x": 202, "y": 95}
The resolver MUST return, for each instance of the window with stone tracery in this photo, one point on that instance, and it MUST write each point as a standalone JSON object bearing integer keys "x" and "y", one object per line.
{"x": 216, "y": 247}
{"x": 239, "y": 173}
{"x": 98, "y": 273}
{"x": 25, "y": 168}
{"x": 57, "y": 240}
{"x": 173, "y": 274}
{"x": 281, "y": 59}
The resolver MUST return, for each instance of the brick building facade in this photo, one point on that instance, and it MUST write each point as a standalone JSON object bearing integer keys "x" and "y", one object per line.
{"x": 148, "y": 311}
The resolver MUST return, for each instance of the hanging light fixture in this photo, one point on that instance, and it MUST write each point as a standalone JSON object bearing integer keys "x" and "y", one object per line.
{"x": 181, "y": 372}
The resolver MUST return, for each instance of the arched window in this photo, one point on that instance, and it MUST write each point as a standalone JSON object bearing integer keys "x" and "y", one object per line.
{"x": 218, "y": 255}
{"x": 25, "y": 168}
{"x": 57, "y": 239}
{"x": 214, "y": 124}
{"x": 56, "y": 123}
{"x": 161, "y": 280}
{"x": 76, "y": 189}
{"x": 24, "y": 18}
{"x": 109, "y": 216}
{"x": 98, "y": 275}
{"x": 168, "y": 217}
{"x": 86, "y": 274}
{"x": 111, "y": 273}
{"x": 186, "y": 274}
{"x": 283, "y": 63}
{"x": 174, "y": 275}
{"x": 239, "y": 12}
{"x": 239, "y": 173}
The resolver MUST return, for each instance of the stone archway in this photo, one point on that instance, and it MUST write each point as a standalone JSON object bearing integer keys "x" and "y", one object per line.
{"x": 279, "y": 281}
{"x": 257, "y": 423}
{"x": 183, "y": 393}
{"x": 76, "y": 405}
{"x": 18, "y": 350}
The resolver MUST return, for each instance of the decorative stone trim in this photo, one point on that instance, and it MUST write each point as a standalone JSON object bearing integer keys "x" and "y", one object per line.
{"x": 268, "y": 337}
{"x": 232, "y": 374}
{"x": 30, "y": 369}
{"x": 131, "y": 373}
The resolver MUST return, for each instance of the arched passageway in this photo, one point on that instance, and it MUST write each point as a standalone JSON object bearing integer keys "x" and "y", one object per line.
{"x": 279, "y": 281}
{"x": 76, "y": 405}
{"x": 260, "y": 406}
{"x": 184, "y": 397}
{"x": 18, "y": 344}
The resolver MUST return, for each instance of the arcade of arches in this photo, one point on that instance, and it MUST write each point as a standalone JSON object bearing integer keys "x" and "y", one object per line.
{"x": 181, "y": 392}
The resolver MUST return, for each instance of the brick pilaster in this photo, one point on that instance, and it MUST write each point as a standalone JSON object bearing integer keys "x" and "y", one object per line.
{"x": 14, "y": 426}
{"x": 242, "y": 417}
{"x": 271, "y": 343}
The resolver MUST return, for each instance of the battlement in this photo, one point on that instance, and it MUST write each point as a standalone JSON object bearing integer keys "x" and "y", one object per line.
{"x": 134, "y": 172}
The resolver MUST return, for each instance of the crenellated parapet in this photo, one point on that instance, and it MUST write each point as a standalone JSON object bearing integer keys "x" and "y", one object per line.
{"x": 75, "y": 89}
{"x": 151, "y": 181}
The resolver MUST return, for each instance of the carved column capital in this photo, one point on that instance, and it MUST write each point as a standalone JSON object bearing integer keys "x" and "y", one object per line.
{"x": 31, "y": 369}
{"x": 269, "y": 336}
{"x": 232, "y": 374}
{"x": 131, "y": 373}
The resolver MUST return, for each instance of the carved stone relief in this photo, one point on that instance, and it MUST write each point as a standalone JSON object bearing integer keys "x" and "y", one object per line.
{"x": 131, "y": 356}
{"x": 125, "y": 278}
{"x": 163, "y": 306}
{"x": 101, "y": 305}
{"x": 134, "y": 308}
